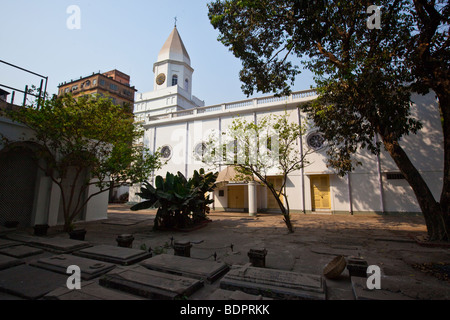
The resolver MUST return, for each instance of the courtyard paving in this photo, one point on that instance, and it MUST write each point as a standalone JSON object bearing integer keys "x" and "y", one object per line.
{"x": 385, "y": 241}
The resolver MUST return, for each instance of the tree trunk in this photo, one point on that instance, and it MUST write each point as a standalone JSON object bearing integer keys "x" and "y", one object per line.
{"x": 284, "y": 211}
{"x": 436, "y": 223}
{"x": 444, "y": 106}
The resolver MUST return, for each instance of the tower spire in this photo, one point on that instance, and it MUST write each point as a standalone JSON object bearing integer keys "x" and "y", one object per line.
{"x": 175, "y": 25}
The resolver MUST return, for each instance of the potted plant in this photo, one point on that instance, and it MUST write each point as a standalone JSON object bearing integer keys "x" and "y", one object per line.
{"x": 77, "y": 234}
{"x": 41, "y": 229}
{"x": 11, "y": 224}
{"x": 125, "y": 240}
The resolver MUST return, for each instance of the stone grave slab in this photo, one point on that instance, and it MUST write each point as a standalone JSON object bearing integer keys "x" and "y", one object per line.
{"x": 55, "y": 245}
{"x": 21, "y": 251}
{"x": 122, "y": 222}
{"x": 208, "y": 271}
{"x": 59, "y": 245}
{"x": 150, "y": 284}
{"x": 114, "y": 254}
{"x": 337, "y": 250}
{"x": 29, "y": 282}
{"x": 8, "y": 262}
{"x": 89, "y": 268}
{"x": 5, "y": 243}
{"x": 274, "y": 283}
{"x": 7, "y": 296}
{"x": 22, "y": 237}
{"x": 5, "y": 231}
{"x": 221, "y": 294}
{"x": 90, "y": 290}
{"x": 361, "y": 292}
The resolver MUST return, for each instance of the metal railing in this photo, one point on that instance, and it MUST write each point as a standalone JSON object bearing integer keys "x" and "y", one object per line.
{"x": 258, "y": 102}
{"x": 26, "y": 92}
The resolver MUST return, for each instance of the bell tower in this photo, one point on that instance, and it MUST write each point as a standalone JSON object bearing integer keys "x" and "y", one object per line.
{"x": 173, "y": 67}
{"x": 172, "y": 82}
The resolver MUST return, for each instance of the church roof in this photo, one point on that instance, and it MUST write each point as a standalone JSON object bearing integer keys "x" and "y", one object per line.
{"x": 174, "y": 49}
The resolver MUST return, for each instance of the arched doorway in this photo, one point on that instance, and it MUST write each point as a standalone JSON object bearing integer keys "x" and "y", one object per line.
{"x": 18, "y": 174}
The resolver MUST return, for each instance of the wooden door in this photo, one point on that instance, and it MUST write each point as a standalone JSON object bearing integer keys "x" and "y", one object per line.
{"x": 320, "y": 192}
{"x": 236, "y": 197}
{"x": 271, "y": 201}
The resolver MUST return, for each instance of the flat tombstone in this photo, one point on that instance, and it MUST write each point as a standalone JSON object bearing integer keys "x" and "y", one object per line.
{"x": 5, "y": 230}
{"x": 278, "y": 284}
{"x": 361, "y": 292}
{"x": 89, "y": 268}
{"x": 59, "y": 245}
{"x": 149, "y": 283}
{"x": 221, "y": 294}
{"x": 28, "y": 282}
{"x": 21, "y": 251}
{"x": 90, "y": 290}
{"x": 189, "y": 267}
{"x": 113, "y": 254}
{"x": 5, "y": 243}
{"x": 22, "y": 237}
{"x": 8, "y": 262}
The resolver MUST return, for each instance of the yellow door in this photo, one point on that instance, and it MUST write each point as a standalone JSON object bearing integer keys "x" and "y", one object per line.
{"x": 271, "y": 201}
{"x": 320, "y": 192}
{"x": 236, "y": 197}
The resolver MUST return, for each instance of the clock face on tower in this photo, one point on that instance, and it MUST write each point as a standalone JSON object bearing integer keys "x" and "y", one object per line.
{"x": 160, "y": 79}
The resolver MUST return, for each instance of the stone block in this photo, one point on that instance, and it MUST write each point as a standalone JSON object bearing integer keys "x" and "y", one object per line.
{"x": 277, "y": 284}
{"x": 8, "y": 262}
{"x": 55, "y": 245}
{"x": 89, "y": 268}
{"x": 29, "y": 282}
{"x": 182, "y": 248}
{"x": 204, "y": 270}
{"x": 5, "y": 243}
{"x": 150, "y": 284}
{"x": 21, "y": 251}
{"x": 238, "y": 295}
{"x": 357, "y": 267}
{"x": 90, "y": 290}
{"x": 257, "y": 257}
{"x": 113, "y": 254}
{"x": 361, "y": 292}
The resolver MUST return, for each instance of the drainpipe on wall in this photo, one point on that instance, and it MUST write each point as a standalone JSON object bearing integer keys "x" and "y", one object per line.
{"x": 380, "y": 179}
{"x": 220, "y": 141}
{"x": 154, "y": 150}
{"x": 252, "y": 201}
{"x": 187, "y": 153}
{"x": 350, "y": 194}
{"x": 302, "y": 171}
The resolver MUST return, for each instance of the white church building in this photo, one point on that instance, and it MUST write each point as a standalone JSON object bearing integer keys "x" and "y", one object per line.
{"x": 179, "y": 124}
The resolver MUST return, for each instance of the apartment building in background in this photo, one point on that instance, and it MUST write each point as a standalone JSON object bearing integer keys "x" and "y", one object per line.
{"x": 114, "y": 84}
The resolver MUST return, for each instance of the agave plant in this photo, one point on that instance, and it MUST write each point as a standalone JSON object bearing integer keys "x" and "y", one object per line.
{"x": 180, "y": 202}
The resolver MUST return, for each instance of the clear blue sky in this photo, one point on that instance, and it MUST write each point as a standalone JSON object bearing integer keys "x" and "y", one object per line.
{"x": 123, "y": 35}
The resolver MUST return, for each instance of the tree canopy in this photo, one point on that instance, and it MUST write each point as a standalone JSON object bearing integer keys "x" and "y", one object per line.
{"x": 85, "y": 142}
{"x": 259, "y": 150}
{"x": 365, "y": 73}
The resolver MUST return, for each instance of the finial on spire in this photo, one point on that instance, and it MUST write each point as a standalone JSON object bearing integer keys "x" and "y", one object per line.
{"x": 175, "y": 21}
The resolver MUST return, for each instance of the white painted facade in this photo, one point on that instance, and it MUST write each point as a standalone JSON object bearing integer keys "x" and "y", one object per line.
{"x": 374, "y": 187}
{"x": 368, "y": 189}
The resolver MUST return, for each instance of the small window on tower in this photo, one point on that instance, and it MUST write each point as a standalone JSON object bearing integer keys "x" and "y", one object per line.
{"x": 186, "y": 84}
{"x": 174, "y": 80}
